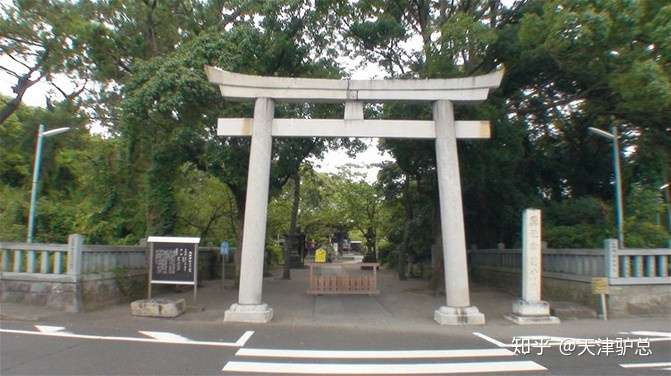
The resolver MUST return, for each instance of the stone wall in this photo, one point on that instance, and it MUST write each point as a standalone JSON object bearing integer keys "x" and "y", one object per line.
{"x": 96, "y": 286}
{"x": 99, "y": 290}
{"x": 639, "y": 300}
{"x": 622, "y": 301}
{"x": 65, "y": 292}
{"x": 55, "y": 291}
{"x": 573, "y": 291}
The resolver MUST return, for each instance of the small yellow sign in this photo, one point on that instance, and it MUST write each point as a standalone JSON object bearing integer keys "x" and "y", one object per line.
{"x": 599, "y": 285}
{"x": 320, "y": 255}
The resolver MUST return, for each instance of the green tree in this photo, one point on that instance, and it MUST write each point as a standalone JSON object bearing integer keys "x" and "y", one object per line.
{"x": 40, "y": 40}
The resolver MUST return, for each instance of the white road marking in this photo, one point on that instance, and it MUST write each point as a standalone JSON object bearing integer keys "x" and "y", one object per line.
{"x": 658, "y": 336}
{"x": 62, "y": 334}
{"x": 645, "y": 365}
{"x": 400, "y": 354}
{"x": 648, "y": 333}
{"x": 491, "y": 340}
{"x": 165, "y": 336}
{"x": 556, "y": 341}
{"x": 382, "y": 369}
{"x": 244, "y": 338}
{"x": 49, "y": 329}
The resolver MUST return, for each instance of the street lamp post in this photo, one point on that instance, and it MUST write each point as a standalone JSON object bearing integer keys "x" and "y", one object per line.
{"x": 613, "y": 136}
{"x": 666, "y": 188}
{"x": 41, "y": 134}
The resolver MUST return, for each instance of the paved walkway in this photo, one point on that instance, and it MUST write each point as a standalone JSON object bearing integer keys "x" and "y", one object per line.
{"x": 401, "y": 305}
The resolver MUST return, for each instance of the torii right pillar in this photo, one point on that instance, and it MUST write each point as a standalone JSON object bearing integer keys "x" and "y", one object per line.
{"x": 458, "y": 309}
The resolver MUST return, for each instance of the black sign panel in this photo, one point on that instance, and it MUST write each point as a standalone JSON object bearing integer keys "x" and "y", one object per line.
{"x": 173, "y": 262}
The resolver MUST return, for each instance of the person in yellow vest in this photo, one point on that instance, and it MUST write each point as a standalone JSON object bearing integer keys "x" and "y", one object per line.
{"x": 320, "y": 255}
{"x": 327, "y": 249}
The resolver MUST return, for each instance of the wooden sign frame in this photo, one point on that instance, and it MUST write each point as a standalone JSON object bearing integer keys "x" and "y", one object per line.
{"x": 172, "y": 240}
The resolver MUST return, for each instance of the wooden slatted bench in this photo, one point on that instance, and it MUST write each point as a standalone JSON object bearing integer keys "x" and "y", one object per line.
{"x": 345, "y": 279}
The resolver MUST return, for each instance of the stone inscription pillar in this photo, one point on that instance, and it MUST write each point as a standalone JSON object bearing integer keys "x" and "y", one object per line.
{"x": 531, "y": 309}
{"x": 531, "y": 255}
{"x": 250, "y": 307}
{"x": 458, "y": 310}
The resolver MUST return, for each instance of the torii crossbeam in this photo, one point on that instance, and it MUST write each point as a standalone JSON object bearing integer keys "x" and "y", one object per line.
{"x": 265, "y": 91}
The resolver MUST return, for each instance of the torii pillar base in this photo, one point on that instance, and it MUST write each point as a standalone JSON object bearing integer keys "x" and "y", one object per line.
{"x": 252, "y": 313}
{"x": 459, "y": 316}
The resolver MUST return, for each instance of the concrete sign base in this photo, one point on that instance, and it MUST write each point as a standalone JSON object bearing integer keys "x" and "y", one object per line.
{"x": 161, "y": 307}
{"x": 254, "y": 313}
{"x": 459, "y": 316}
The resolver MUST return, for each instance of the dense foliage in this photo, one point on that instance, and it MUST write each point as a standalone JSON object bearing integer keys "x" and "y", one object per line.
{"x": 137, "y": 69}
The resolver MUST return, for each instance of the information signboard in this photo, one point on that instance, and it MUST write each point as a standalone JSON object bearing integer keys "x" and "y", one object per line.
{"x": 599, "y": 285}
{"x": 173, "y": 260}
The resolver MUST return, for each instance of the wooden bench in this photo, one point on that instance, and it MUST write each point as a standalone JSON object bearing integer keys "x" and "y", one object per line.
{"x": 346, "y": 279}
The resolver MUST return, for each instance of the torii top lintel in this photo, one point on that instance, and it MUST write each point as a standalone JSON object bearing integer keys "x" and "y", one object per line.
{"x": 238, "y": 86}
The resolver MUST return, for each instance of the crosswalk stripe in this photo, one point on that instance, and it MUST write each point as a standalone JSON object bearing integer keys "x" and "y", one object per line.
{"x": 491, "y": 340}
{"x": 645, "y": 365}
{"x": 382, "y": 369}
{"x": 165, "y": 336}
{"x": 244, "y": 338}
{"x": 397, "y": 354}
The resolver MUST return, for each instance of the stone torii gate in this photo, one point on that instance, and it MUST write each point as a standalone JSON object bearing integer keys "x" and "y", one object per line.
{"x": 265, "y": 91}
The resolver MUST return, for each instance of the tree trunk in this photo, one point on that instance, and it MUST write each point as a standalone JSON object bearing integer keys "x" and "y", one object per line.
{"x": 437, "y": 280}
{"x": 403, "y": 250}
{"x": 20, "y": 88}
{"x": 297, "y": 200}
{"x": 290, "y": 241}
{"x": 371, "y": 241}
{"x": 238, "y": 223}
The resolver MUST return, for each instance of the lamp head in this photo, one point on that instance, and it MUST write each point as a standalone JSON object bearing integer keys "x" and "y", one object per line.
{"x": 56, "y": 131}
{"x": 601, "y": 133}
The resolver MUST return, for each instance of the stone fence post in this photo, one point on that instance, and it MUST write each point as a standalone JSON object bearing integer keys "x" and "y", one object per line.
{"x": 75, "y": 244}
{"x": 611, "y": 266}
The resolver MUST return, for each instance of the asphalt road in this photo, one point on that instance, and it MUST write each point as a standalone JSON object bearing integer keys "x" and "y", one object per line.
{"x": 165, "y": 347}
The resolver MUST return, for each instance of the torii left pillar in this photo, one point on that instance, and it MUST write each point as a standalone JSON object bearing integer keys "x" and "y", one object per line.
{"x": 457, "y": 310}
{"x": 250, "y": 307}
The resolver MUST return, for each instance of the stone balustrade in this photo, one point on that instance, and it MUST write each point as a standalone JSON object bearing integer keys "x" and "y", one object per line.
{"x": 25, "y": 258}
{"x": 638, "y": 278}
{"x": 622, "y": 266}
{"x": 637, "y": 266}
{"x": 74, "y": 258}
{"x": 105, "y": 258}
{"x": 77, "y": 276}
